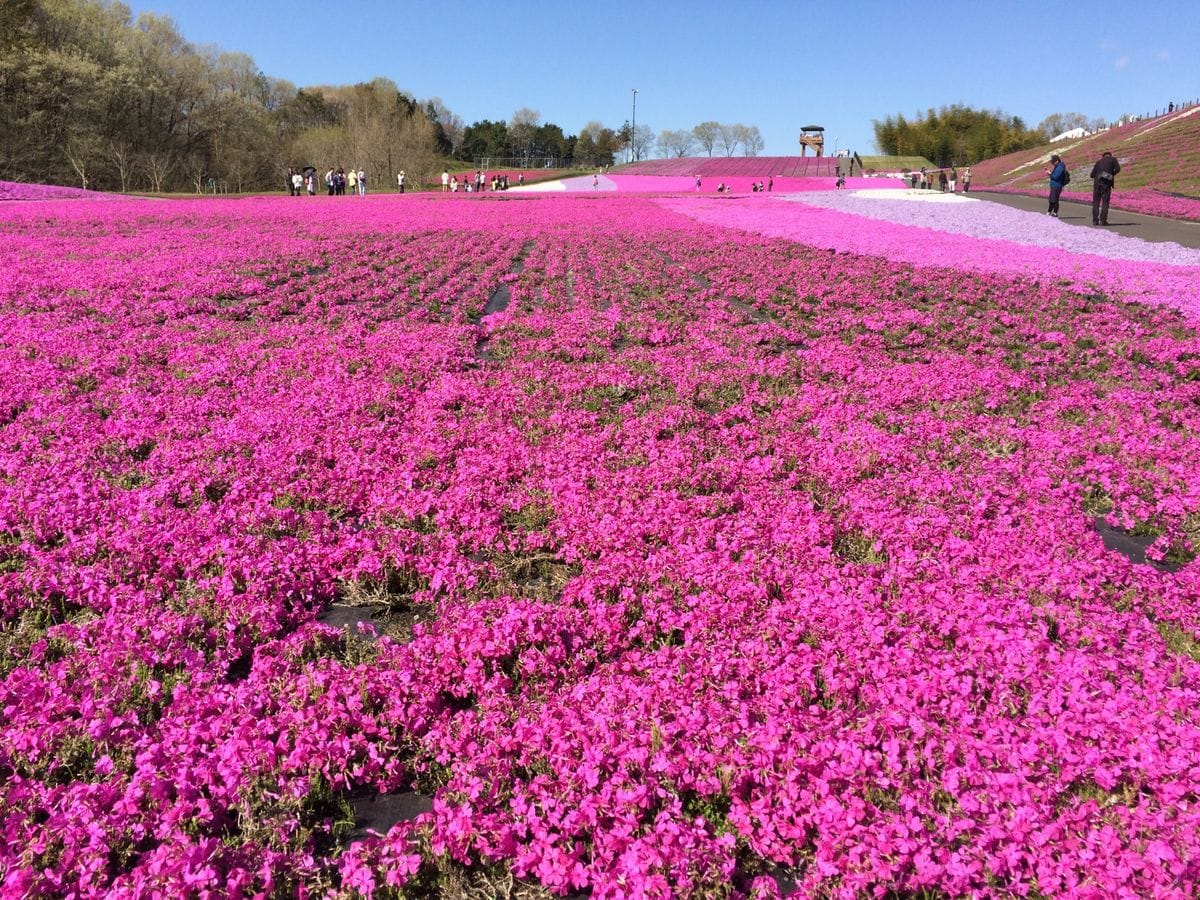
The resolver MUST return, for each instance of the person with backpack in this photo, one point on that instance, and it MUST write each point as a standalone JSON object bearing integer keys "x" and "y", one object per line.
{"x": 1104, "y": 173}
{"x": 1059, "y": 179}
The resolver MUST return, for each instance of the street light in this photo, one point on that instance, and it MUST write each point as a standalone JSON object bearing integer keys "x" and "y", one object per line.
{"x": 633, "y": 127}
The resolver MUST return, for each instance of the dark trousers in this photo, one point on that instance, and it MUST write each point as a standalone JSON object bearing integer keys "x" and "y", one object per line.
{"x": 1055, "y": 192}
{"x": 1101, "y": 194}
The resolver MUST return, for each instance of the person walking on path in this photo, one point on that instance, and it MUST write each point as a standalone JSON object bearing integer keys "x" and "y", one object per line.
{"x": 967, "y": 180}
{"x": 1104, "y": 173}
{"x": 953, "y": 179}
{"x": 595, "y": 182}
{"x": 1058, "y": 180}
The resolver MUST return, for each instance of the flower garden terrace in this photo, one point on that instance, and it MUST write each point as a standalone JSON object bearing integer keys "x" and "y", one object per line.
{"x": 700, "y": 561}
{"x": 756, "y": 167}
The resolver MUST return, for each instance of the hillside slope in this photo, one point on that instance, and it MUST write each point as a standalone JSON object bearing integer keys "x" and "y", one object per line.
{"x": 1160, "y": 154}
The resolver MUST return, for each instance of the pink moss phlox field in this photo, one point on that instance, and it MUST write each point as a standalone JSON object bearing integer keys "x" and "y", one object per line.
{"x": 714, "y": 562}
{"x": 709, "y": 183}
{"x": 14, "y": 190}
{"x": 973, "y": 236}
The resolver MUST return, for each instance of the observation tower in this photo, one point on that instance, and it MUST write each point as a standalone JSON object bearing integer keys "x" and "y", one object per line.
{"x": 812, "y": 136}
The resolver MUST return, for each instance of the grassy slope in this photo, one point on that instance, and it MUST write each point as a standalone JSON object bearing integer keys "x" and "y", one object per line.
{"x": 895, "y": 163}
{"x": 1161, "y": 153}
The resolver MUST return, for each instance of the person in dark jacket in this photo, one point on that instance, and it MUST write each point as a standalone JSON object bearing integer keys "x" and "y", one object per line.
{"x": 1058, "y": 180}
{"x": 1104, "y": 173}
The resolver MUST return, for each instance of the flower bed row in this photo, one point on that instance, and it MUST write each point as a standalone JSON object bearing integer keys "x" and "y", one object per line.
{"x": 732, "y": 564}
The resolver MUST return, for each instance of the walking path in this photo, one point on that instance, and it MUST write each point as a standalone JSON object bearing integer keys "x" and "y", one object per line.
{"x": 1130, "y": 224}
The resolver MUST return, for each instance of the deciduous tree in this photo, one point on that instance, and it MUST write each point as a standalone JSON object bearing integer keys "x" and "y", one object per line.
{"x": 678, "y": 143}
{"x": 706, "y": 136}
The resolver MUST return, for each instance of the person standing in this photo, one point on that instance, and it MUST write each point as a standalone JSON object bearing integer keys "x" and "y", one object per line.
{"x": 967, "y": 180}
{"x": 595, "y": 181}
{"x": 1058, "y": 180}
{"x": 400, "y": 180}
{"x": 953, "y": 179}
{"x": 291, "y": 182}
{"x": 352, "y": 181}
{"x": 445, "y": 181}
{"x": 1104, "y": 173}
{"x": 770, "y": 183}
{"x": 362, "y": 183}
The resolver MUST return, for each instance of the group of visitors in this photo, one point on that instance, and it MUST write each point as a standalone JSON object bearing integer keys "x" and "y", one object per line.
{"x": 1103, "y": 175}
{"x": 476, "y": 183}
{"x": 337, "y": 181}
{"x": 756, "y": 187}
{"x": 301, "y": 182}
{"x": 946, "y": 180}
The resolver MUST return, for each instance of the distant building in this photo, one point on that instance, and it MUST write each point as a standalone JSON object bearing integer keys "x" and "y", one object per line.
{"x": 1070, "y": 135}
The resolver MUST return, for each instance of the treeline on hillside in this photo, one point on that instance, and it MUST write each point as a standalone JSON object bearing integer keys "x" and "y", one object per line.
{"x": 955, "y": 135}
{"x": 89, "y": 96}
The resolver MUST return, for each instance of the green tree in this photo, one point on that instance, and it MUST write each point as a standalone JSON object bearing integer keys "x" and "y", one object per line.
{"x": 954, "y": 135}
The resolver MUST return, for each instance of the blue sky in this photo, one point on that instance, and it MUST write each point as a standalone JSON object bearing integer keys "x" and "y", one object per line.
{"x": 778, "y": 65}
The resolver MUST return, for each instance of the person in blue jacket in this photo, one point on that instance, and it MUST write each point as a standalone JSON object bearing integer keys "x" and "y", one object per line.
{"x": 1058, "y": 180}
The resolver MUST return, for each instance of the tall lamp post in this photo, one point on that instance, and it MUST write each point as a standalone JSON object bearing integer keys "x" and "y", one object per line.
{"x": 633, "y": 127}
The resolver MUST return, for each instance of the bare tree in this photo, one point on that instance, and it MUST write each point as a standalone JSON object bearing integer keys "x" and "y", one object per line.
{"x": 124, "y": 160}
{"x": 450, "y": 123}
{"x": 706, "y": 135}
{"x": 1057, "y": 123}
{"x": 197, "y": 171}
{"x": 157, "y": 168}
{"x": 676, "y": 143}
{"x": 522, "y": 129}
{"x": 729, "y": 137}
{"x": 82, "y": 154}
{"x": 752, "y": 140}
{"x": 642, "y": 141}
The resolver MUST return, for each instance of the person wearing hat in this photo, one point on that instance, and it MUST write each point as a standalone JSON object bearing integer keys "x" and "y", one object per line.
{"x": 1104, "y": 173}
{"x": 1058, "y": 180}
